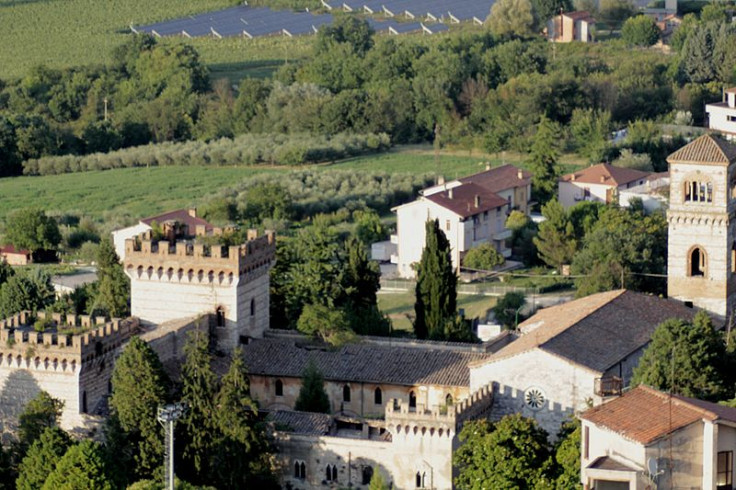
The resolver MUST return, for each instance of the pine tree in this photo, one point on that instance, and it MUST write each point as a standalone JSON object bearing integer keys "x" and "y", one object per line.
{"x": 542, "y": 160}
{"x": 139, "y": 387}
{"x": 113, "y": 286}
{"x": 361, "y": 281}
{"x": 199, "y": 387}
{"x": 42, "y": 458}
{"x": 436, "y": 290}
{"x": 312, "y": 395}
{"x": 40, "y": 413}
{"x": 555, "y": 241}
{"x": 82, "y": 467}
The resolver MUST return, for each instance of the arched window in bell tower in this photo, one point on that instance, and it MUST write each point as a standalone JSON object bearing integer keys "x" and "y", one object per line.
{"x": 698, "y": 191}
{"x": 698, "y": 262}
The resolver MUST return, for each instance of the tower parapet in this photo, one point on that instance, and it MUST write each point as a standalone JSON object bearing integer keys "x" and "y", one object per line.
{"x": 171, "y": 280}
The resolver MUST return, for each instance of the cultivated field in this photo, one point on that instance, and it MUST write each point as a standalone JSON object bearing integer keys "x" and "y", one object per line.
{"x": 81, "y": 32}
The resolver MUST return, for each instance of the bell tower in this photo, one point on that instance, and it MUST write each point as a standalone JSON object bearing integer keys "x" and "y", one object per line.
{"x": 701, "y": 262}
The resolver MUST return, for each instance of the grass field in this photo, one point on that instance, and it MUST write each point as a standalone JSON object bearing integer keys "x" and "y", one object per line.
{"x": 63, "y": 33}
{"x": 398, "y": 305}
{"x": 138, "y": 192}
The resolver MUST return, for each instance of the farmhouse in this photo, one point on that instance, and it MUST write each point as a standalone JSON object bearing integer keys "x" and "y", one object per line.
{"x": 14, "y": 256}
{"x": 571, "y": 26}
{"x": 598, "y": 183}
{"x": 722, "y": 115}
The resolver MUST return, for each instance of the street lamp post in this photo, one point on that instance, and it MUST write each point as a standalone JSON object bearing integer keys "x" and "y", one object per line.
{"x": 167, "y": 416}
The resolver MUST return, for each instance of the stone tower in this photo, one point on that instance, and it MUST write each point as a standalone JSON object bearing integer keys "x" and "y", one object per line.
{"x": 173, "y": 280}
{"x": 701, "y": 263}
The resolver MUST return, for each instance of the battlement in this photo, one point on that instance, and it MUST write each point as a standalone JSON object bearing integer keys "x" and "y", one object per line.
{"x": 72, "y": 338}
{"x": 477, "y": 405}
{"x": 145, "y": 256}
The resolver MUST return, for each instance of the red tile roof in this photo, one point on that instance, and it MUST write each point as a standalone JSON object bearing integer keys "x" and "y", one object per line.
{"x": 461, "y": 200}
{"x": 183, "y": 216}
{"x": 500, "y": 178}
{"x": 707, "y": 149}
{"x": 605, "y": 173}
{"x": 644, "y": 414}
{"x": 11, "y": 250}
{"x": 579, "y": 15}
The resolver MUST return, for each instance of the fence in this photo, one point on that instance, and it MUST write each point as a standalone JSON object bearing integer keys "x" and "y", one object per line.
{"x": 483, "y": 289}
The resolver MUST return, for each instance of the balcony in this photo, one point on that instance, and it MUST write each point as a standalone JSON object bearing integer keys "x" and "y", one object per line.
{"x": 609, "y": 386}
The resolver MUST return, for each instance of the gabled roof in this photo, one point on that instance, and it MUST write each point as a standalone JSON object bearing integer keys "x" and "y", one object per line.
{"x": 185, "y": 216}
{"x": 644, "y": 414}
{"x": 731, "y": 90}
{"x": 361, "y": 362}
{"x": 707, "y": 149}
{"x": 316, "y": 424}
{"x": 500, "y": 178}
{"x": 579, "y": 15}
{"x": 595, "y": 332}
{"x": 605, "y": 173}
{"x": 461, "y": 200}
{"x": 11, "y": 250}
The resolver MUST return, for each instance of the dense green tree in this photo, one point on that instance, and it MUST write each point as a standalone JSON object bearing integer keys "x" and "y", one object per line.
{"x": 508, "y": 309}
{"x": 361, "y": 281}
{"x": 7, "y": 470}
{"x": 27, "y": 291}
{"x": 42, "y": 412}
{"x": 511, "y": 17}
{"x": 139, "y": 387}
{"x": 687, "y": 359}
{"x": 483, "y": 257}
{"x": 542, "y": 160}
{"x": 81, "y": 468}
{"x": 698, "y": 52}
{"x": 377, "y": 482}
{"x": 312, "y": 395}
{"x": 546, "y": 9}
{"x": 567, "y": 455}
{"x": 368, "y": 226}
{"x": 512, "y": 453}
{"x": 640, "y": 31}
{"x": 555, "y": 241}
{"x": 637, "y": 161}
{"x": 113, "y": 286}
{"x": 620, "y": 250}
{"x": 346, "y": 29}
{"x": 436, "y": 289}
{"x": 199, "y": 387}
{"x": 30, "y": 228}
{"x": 614, "y": 12}
{"x": 714, "y": 12}
{"x": 266, "y": 201}
{"x": 590, "y": 130}
{"x": 242, "y": 457}
{"x": 41, "y": 458}
{"x": 326, "y": 324}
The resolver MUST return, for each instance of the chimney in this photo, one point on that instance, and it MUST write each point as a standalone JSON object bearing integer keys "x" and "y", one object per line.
{"x": 449, "y": 193}
{"x": 520, "y": 174}
{"x": 477, "y": 201}
{"x": 573, "y": 177}
{"x": 603, "y": 179}
{"x": 192, "y": 212}
{"x": 440, "y": 180}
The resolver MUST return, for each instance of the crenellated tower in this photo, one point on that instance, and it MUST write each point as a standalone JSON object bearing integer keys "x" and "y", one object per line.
{"x": 175, "y": 279}
{"x": 701, "y": 263}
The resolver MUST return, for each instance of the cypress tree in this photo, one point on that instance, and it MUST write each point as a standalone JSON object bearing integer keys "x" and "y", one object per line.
{"x": 139, "y": 387}
{"x": 113, "y": 286}
{"x": 199, "y": 387}
{"x": 312, "y": 395}
{"x": 436, "y": 290}
{"x": 542, "y": 160}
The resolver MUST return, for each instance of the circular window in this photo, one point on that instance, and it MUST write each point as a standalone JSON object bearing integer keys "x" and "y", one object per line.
{"x": 534, "y": 398}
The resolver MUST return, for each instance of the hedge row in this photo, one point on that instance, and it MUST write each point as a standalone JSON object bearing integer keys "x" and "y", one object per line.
{"x": 247, "y": 149}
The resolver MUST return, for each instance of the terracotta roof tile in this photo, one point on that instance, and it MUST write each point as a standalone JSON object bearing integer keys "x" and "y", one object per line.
{"x": 597, "y": 331}
{"x": 499, "y": 178}
{"x": 461, "y": 200}
{"x": 645, "y": 415}
{"x": 317, "y": 424}
{"x": 182, "y": 216}
{"x": 706, "y": 149}
{"x": 366, "y": 362}
{"x": 579, "y": 15}
{"x": 605, "y": 173}
{"x": 9, "y": 249}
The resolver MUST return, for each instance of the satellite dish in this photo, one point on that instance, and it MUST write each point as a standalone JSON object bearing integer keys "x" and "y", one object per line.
{"x": 652, "y": 466}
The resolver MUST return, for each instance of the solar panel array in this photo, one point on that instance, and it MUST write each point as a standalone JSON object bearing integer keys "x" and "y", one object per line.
{"x": 261, "y": 21}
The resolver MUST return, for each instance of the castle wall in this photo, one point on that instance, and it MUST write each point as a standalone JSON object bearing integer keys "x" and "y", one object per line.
{"x": 362, "y": 395}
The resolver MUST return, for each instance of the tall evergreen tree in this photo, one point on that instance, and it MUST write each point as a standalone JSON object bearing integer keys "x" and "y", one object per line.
{"x": 139, "y": 387}
{"x": 436, "y": 290}
{"x": 82, "y": 467}
{"x": 361, "y": 281}
{"x": 555, "y": 241}
{"x": 312, "y": 395}
{"x": 242, "y": 456}
{"x": 42, "y": 458}
{"x": 42, "y": 412}
{"x": 542, "y": 160}
{"x": 199, "y": 387}
{"x": 113, "y": 286}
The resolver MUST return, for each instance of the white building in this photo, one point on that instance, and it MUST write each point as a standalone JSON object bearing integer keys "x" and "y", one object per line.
{"x": 722, "y": 115}
{"x": 598, "y": 183}
{"x": 573, "y": 354}
{"x": 654, "y": 193}
{"x": 471, "y": 211}
{"x": 649, "y": 439}
{"x": 183, "y": 217}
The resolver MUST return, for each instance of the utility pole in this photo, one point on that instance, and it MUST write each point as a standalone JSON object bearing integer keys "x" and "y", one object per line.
{"x": 167, "y": 416}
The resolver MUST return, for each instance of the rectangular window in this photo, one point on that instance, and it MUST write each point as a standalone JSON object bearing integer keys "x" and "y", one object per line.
{"x": 447, "y": 225}
{"x": 725, "y": 471}
{"x": 731, "y": 118}
{"x": 586, "y": 442}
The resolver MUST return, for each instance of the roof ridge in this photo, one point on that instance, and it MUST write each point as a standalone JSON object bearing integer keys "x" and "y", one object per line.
{"x": 680, "y": 400}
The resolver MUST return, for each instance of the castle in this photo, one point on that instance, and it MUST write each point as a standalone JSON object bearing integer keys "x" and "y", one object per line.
{"x": 397, "y": 404}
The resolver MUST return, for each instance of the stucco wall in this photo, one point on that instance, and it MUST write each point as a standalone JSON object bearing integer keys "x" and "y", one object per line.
{"x": 571, "y": 193}
{"x": 718, "y": 119}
